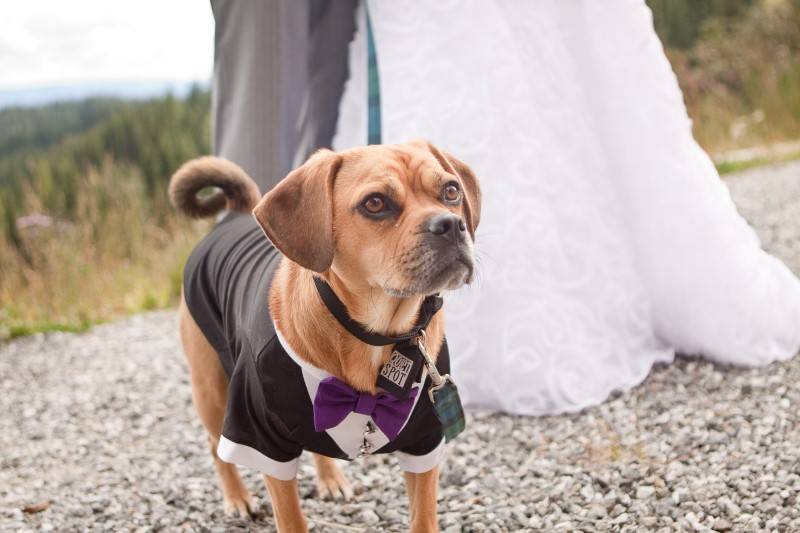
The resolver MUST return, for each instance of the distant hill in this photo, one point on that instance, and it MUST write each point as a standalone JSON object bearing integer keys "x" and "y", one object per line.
{"x": 24, "y": 129}
{"x": 38, "y": 96}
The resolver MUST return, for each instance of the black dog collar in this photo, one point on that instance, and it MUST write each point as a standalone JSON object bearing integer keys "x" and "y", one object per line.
{"x": 430, "y": 306}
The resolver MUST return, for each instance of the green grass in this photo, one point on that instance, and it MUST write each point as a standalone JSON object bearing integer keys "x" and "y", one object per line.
{"x": 22, "y": 330}
{"x": 730, "y": 167}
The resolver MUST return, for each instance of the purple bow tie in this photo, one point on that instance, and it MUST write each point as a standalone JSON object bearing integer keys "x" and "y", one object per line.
{"x": 335, "y": 400}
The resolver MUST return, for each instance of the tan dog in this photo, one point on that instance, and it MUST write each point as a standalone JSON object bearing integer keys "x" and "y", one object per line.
{"x": 385, "y": 226}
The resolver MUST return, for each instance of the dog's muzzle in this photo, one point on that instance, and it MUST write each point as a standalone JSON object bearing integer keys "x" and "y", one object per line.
{"x": 448, "y": 238}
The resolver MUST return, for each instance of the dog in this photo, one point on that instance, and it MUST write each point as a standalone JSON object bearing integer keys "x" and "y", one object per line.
{"x": 382, "y": 229}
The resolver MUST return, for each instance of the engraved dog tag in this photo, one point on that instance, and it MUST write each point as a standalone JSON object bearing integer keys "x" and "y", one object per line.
{"x": 401, "y": 370}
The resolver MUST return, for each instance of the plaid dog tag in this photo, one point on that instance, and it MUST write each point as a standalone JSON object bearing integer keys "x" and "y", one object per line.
{"x": 447, "y": 406}
{"x": 444, "y": 396}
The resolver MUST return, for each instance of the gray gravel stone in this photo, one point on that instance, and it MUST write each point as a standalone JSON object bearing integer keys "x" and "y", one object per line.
{"x": 721, "y": 524}
{"x": 99, "y": 434}
{"x": 369, "y": 517}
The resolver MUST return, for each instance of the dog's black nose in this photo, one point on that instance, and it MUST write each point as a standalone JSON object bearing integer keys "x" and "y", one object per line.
{"x": 447, "y": 225}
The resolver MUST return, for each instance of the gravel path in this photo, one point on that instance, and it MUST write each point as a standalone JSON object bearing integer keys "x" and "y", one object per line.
{"x": 98, "y": 433}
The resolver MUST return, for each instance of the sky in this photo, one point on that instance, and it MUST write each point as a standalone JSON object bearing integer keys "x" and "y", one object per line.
{"x": 70, "y": 42}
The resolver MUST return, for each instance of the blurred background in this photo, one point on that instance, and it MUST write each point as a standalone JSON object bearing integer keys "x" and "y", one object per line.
{"x": 99, "y": 106}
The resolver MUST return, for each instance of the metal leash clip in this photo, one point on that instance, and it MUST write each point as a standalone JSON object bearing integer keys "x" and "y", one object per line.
{"x": 437, "y": 379}
{"x": 444, "y": 396}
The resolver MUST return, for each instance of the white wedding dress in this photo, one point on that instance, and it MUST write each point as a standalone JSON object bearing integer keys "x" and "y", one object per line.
{"x": 607, "y": 240}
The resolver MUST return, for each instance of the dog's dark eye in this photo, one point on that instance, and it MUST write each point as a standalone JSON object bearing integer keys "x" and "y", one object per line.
{"x": 451, "y": 193}
{"x": 375, "y": 204}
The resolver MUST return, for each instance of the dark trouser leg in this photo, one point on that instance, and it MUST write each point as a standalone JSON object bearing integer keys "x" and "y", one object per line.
{"x": 279, "y": 70}
{"x": 332, "y": 27}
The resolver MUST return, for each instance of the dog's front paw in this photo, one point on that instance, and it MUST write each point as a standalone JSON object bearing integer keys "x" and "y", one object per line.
{"x": 336, "y": 487}
{"x": 331, "y": 481}
{"x": 239, "y": 504}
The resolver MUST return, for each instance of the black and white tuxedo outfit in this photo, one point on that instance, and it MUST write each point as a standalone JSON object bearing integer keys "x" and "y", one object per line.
{"x": 269, "y": 419}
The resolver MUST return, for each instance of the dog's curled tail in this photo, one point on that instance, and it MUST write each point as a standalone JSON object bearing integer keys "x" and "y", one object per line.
{"x": 236, "y": 191}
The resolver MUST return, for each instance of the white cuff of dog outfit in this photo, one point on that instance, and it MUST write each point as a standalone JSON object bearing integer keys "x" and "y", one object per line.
{"x": 419, "y": 464}
{"x": 242, "y": 455}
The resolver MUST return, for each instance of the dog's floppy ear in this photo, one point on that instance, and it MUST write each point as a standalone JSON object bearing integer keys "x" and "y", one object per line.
{"x": 472, "y": 189}
{"x": 297, "y": 214}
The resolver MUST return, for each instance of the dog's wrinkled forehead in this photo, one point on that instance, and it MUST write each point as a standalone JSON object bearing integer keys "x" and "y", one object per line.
{"x": 399, "y": 169}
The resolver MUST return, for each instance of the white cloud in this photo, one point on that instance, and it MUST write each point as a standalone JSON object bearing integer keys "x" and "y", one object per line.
{"x": 88, "y": 41}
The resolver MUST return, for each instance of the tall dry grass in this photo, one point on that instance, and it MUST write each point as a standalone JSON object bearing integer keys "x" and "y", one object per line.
{"x": 117, "y": 256}
{"x": 741, "y": 77}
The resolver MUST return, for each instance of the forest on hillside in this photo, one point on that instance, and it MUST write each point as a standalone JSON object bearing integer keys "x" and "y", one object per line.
{"x": 86, "y": 232}
{"x": 46, "y": 152}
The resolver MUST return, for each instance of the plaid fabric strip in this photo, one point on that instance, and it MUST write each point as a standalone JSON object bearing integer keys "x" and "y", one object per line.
{"x": 374, "y": 88}
{"x": 447, "y": 405}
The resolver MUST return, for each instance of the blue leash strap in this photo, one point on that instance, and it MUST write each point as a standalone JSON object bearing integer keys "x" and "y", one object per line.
{"x": 373, "y": 86}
